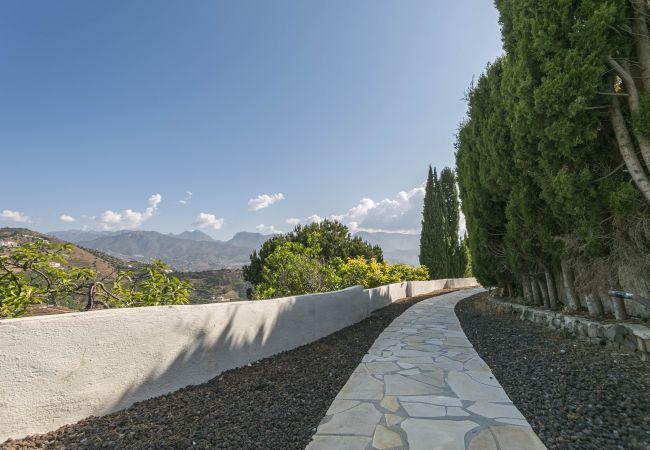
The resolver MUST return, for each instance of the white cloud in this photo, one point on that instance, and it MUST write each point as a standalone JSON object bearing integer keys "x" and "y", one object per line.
{"x": 293, "y": 221}
{"x": 267, "y": 229}
{"x": 13, "y": 216}
{"x": 154, "y": 200}
{"x": 399, "y": 214}
{"x": 205, "y": 220}
{"x": 365, "y": 205}
{"x": 128, "y": 219}
{"x": 314, "y": 218}
{"x": 264, "y": 201}
{"x": 66, "y": 218}
{"x": 186, "y": 200}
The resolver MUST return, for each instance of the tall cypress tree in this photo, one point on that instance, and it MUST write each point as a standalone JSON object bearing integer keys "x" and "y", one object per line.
{"x": 433, "y": 248}
{"x": 549, "y": 127}
{"x": 449, "y": 193}
{"x": 427, "y": 235}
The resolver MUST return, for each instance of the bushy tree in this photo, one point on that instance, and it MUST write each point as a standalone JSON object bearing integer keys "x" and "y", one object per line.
{"x": 319, "y": 258}
{"x": 332, "y": 238}
{"x": 293, "y": 269}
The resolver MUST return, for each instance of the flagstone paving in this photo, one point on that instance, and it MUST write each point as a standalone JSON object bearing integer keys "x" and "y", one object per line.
{"x": 422, "y": 386}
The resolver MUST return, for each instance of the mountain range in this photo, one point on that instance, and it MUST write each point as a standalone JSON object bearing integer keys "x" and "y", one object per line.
{"x": 192, "y": 251}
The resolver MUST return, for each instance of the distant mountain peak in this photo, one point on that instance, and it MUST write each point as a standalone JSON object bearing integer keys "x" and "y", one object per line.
{"x": 248, "y": 239}
{"x": 195, "y": 235}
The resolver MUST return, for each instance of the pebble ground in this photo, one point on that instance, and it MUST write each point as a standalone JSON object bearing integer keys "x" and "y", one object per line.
{"x": 575, "y": 395}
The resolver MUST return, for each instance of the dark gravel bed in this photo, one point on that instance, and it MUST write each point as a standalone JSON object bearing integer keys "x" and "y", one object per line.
{"x": 275, "y": 403}
{"x": 574, "y": 394}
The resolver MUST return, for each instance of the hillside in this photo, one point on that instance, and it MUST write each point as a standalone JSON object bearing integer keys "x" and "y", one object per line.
{"x": 215, "y": 285}
{"x": 397, "y": 247}
{"x": 187, "y": 251}
{"x": 79, "y": 256}
{"x": 194, "y": 235}
{"x": 193, "y": 251}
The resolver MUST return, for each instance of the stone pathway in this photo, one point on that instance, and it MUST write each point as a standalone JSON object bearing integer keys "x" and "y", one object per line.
{"x": 422, "y": 386}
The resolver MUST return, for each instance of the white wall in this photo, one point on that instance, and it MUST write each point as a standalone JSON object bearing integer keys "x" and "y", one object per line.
{"x": 422, "y": 287}
{"x": 456, "y": 283}
{"x": 385, "y": 295}
{"x": 56, "y": 370}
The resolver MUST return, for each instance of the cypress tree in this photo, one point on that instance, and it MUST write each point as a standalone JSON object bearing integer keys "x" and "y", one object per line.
{"x": 426, "y": 235}
{"x": 449, "y": 194}
{"x": 433, "y": 240}
{"x": 539, "y": 158}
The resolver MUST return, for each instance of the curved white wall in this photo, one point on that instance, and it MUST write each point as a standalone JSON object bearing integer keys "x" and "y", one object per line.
{"x": 55, "y": 370}
{"x": 424, "y": 287}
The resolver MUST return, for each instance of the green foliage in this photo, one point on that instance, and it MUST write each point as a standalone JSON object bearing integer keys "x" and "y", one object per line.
{"x": 538, "y": 173}
{"x": 293, "y": 269}
{"x": 371, "y": 273}
{"x": 38, "y": 272}
{"x": 32, "y": 273}
{"x": 332, "y": 239}
{"x": 150, "y": 286}
{"x": 320, "y": 258}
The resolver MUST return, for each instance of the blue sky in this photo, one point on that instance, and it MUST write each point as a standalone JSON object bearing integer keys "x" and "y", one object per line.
{"x": 268, "y": 112}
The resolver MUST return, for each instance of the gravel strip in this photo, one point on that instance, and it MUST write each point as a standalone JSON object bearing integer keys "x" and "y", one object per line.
{"x": 275, "y": 403}
{"x": 574, "y": 394}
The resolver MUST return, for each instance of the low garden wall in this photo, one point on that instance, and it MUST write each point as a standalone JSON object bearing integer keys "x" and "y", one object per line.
{"x": 422, "y": 287}
{"x": 631, "y": 337}
{"x": 56, "y": 370}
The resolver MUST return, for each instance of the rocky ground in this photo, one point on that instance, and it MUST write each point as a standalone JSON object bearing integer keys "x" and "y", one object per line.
{"x": 275, "y": 403}
{"x": 575, "y": 395}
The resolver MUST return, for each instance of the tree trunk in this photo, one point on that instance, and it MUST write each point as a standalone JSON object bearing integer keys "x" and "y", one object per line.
{"x": 628, "y": 152}
{"x": 544, "y": 292}
{"x": 618, "y": 305}
{"x": 537, "y": 295}
{"x": 525, "y": 286}
{"x": 91, "y": 297}
{"x": 640, "y": 30}
{"x": 569, "y": 289}
{"x": 559, "y": 288}
{"x": 550, "y": 286}
{"x": 594, "y": 305}
{"x": 634, "y": 103}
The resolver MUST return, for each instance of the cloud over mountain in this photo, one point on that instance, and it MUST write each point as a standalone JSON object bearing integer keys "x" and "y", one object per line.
{"x": 128, "y": 219}
{"x": 205, "y": 220}
{"x": 267, "y": 229}
{"x": 400, "y": 214}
